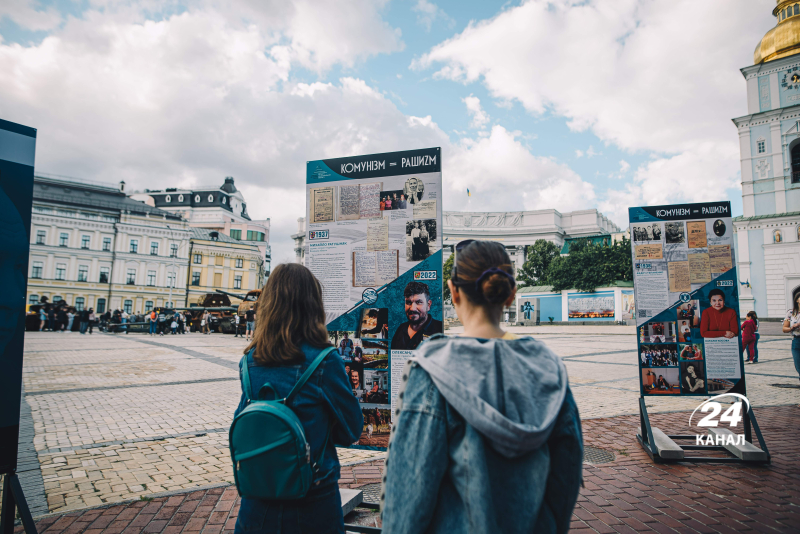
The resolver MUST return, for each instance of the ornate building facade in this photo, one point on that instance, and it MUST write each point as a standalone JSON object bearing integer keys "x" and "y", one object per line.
{"x": 768, "y": 233}
{"x": 222, "y": 209}
{"x": 94, "y": 247}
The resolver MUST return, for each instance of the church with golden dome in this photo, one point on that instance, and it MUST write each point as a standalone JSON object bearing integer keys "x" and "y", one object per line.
{"x": 768, "y": 233}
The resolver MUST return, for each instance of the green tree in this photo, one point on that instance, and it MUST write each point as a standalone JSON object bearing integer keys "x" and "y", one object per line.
{"x": 589, "y": 266}
{"x": 447, "y": 268}
{"x": 539, "y": 257}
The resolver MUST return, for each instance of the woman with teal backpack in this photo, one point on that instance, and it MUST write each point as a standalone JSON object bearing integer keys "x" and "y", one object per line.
{"x": 289, "y": 337}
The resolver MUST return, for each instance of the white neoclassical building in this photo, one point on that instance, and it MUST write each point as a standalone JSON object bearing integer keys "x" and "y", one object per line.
{"x": 768, "y": 233}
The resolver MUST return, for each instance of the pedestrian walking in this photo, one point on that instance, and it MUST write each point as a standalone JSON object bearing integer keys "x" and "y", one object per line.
{"x": 290, "y": 337}
{"x": 83, "y": 317}
{"x": 791, "y": 325}
{"x": 236, "y": 326}
{"x": 250, "y": 320}
{"x": 206, "y": 320}
{"x": 153, "y": 316}
{"x": 487, "y": 435}
{"x": 124, "y": 321}
{"x": 42, "y": 318}
{"x": 70, "y": 320}
{"x": 92, "y": 319}
{"x": 749, "y": 337}
{"x": 188, "y": 320}
{"x": 174, "y": 326}
{"x": 51, "y": 318}
{"x": 181, "y": 328}
{"x": 162, "y": 322}
{"x": 61, "y": 320}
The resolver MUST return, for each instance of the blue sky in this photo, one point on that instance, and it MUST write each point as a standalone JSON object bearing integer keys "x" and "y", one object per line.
{"x": 567, "y": 104}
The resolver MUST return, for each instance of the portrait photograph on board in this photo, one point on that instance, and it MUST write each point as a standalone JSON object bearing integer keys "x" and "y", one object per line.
{"x": 659, "y": 355}
{"x": 674, "y": 233}
{"x": 690, "y": 311}
{"x": 420, "y": 239}
{"x": 661, "y": 381}
{"x": 693, "y": 378}
{"x": 691, "y": 351}
{"x": 374, "y": 323}
{"x": 377, "y": 426}
{"x": 646, "y": 232}
{"x": 393, "y": 200}
{"x": 421, "y": 324}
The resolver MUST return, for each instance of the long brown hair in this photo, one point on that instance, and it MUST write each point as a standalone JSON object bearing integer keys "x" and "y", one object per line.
{"x": 290, "y": 313}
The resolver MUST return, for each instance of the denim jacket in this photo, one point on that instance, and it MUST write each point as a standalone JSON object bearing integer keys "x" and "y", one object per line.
{"x": 487, "y": 438}
{"x": 325, "y": 399}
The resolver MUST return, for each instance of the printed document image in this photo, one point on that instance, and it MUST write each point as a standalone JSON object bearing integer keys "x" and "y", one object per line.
{"x": 322, "y": 204}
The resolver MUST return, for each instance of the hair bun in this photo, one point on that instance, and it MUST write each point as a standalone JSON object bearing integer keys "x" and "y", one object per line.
{"x": 496, "y": 288}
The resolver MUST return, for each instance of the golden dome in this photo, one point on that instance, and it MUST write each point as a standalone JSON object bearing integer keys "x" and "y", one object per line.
{"x": 784, "y": 39}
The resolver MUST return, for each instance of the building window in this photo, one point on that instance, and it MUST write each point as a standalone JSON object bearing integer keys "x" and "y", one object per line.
{"x": 151, "y": 278}
{"x": 101, "y": 305}
{"x": 211, "y": 198}
{"x": 236, "y": 234}
{"x": 41, "y": 235}
{"x": 239, "y": 263}
{"x": 198, "y": 258}
{"x": 196, "y": 278}
{"x": 224, "y": 200}
{"x": 180, "y": 198}
{"x": 134, "y": 246}
{"x": 104, "y": 275}
{"x": 85, "y": 240}
{"x": 36, "y": 270}
{"x": 168, "y": 198}
{"x": 761, "y": 146}
{"x": 796, "y": 164}
{"x": 197, "y": 198}
{"x": 154, "y": 249}
{"x": 106, "y": 244}
{"x": 79, "y": 303}
{"x": 33, "y": 299}
{"x": 57, "y": 298}
{"x": 171, "y": 279}
{"x": 83, "y": 273}
{"x": 61, "y": 271}
{"x": 148, "y": 306}
{"x": 237, "y": 282}
{"x": 255, "y": 236}
{"x": 128, "y": 306}
{"x": 63, "y": 239}
{"x": 131, "y": 276}
{"x": 173, "y": 251}
{"x": 797, "y": 9}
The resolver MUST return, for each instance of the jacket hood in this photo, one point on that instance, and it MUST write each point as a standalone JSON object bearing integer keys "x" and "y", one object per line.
{"x": 510, "y": 391}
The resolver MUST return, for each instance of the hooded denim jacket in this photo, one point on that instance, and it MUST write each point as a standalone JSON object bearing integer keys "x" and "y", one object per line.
{"x": 326, "y": 399}
{"x": 487, "y": 438}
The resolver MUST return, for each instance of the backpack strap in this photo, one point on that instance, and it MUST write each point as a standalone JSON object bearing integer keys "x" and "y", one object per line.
{"x": 304, "y": 378}
{"x": 246, "y": 376}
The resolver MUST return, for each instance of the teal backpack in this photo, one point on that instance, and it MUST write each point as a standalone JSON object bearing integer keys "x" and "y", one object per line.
{"x": 271, "y": 456}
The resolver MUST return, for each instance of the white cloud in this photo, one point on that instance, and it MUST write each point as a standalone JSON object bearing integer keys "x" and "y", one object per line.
{"x": 645, "y": 75}
{"x": 492, "y": 166}
{"x": 428, "y": 13}
{"x": 579, "y": 154}
{"x": 26, "y": 15}
{"x": 191, "y": 98}
{"x": 591, "y": 152}
{"x": 624, "y": 166}
{"x": 479, "y": 116}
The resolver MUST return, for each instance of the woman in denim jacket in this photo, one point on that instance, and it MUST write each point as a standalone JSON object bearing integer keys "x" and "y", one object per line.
{"x": 487, "y": 435}
{"x": 289, "y": 335}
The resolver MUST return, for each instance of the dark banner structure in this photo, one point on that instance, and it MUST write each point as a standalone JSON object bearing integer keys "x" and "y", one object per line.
{"x": 687, "y": 301}
{"x": 375, "y": 243}
{"x": 17, "y": 152}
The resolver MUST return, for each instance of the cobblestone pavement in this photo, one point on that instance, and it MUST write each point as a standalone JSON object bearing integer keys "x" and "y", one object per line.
{"x": 626, "y": 495}
{"x": 117, "y": 417}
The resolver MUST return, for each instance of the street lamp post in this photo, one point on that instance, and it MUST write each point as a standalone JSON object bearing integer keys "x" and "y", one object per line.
{"x": 171, "y": 280}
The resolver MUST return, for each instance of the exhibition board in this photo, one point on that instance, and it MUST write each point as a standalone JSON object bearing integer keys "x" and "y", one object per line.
{"x": 686, "y": 299}
{"x": 375, "y": 244}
